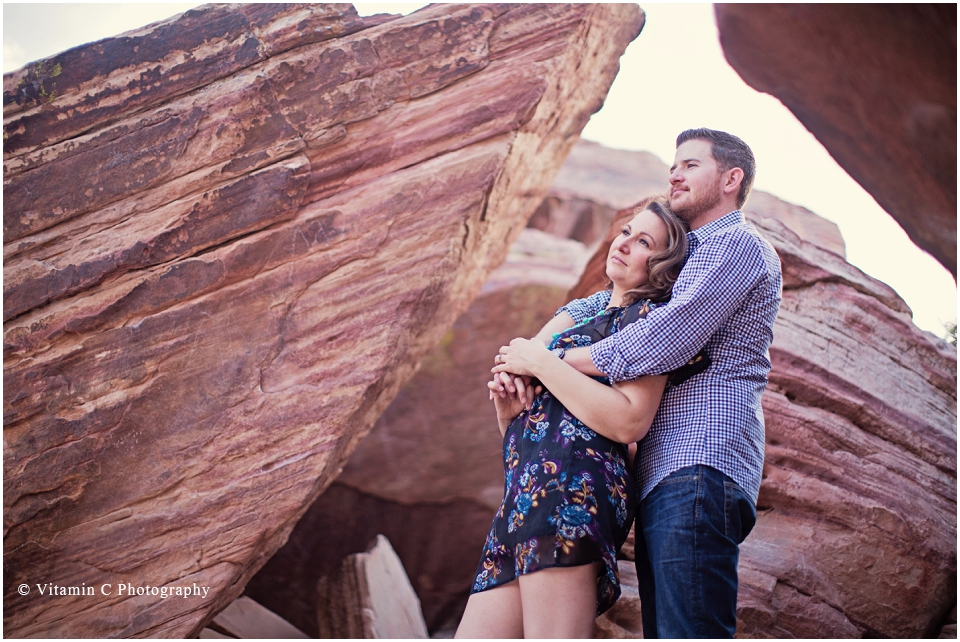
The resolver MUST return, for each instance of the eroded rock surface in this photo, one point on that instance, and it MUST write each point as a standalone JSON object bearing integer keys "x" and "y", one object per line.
{"x": 229, "y": 238}
{"x": 877, "y": 85}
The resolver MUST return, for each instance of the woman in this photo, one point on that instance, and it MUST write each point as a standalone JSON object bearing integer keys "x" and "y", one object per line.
{"x": 568, "y": 501}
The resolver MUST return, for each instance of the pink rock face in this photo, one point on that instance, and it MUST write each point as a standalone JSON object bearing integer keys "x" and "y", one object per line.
{"x": 229, "y": 238}
{"x": 877, "y": 85}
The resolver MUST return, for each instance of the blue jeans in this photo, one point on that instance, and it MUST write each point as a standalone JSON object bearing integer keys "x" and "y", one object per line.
{"x": 688, "y": 532}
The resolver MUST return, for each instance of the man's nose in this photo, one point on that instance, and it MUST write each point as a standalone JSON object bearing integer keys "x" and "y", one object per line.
{"x": 675, "y": 176}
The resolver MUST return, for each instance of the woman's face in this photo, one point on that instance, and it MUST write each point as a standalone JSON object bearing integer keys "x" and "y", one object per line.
{"x": 640, "y": 238}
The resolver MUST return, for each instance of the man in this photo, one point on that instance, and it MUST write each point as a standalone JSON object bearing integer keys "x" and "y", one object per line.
{"x": 699, "y": 468}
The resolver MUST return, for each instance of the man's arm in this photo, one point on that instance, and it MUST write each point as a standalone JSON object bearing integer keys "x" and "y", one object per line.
{"x": 715, "y": 281}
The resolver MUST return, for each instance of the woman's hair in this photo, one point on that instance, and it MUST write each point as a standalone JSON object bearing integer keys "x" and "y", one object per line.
{"x": 664, "y": 267}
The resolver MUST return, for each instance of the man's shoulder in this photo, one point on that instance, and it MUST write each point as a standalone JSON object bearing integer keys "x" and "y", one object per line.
{"x": 745, "y": 238}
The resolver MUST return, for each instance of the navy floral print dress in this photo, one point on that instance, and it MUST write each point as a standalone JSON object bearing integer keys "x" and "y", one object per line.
{"x": 569, "y": 496}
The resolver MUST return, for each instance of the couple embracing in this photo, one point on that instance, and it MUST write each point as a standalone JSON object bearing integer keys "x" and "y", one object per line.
{"x": 672, "y": 357}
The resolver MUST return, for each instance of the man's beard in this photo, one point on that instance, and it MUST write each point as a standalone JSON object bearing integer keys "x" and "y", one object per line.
{"x": 705, "y": 201}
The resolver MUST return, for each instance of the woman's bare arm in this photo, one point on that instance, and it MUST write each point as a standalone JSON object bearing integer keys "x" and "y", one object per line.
{"x": 559, "y": 323}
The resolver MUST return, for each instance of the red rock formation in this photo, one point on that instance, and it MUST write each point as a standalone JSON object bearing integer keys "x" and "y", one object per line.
{"x": 877, "y": 85}
{"x": 429, "y": 475}
{"x": 228, "y": 240}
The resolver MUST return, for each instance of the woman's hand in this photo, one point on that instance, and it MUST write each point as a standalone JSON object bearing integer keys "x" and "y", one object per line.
{"x": 523, "y": 357}
{"x": 508, "y": 405}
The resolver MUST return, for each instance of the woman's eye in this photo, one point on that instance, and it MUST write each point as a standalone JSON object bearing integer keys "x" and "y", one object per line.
{"x": 644, "y": 242}
{"x": 625, "y": 232}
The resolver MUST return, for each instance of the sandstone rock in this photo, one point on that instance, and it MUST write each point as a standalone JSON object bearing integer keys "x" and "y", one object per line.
{"x": 245, "y": 619}
{"x": 856, "y": 533}
{"x": 369, "y": 597}
{"x": 229, "y": 238}
{"x": 877, "y": 85}
{"x": 430, "y": 475}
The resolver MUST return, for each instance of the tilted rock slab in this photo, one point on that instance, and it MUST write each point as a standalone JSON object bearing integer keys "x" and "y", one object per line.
{"x": 877, "y": 85}
{"x": 857, "y": 515}
{"x": 229, "y": 237}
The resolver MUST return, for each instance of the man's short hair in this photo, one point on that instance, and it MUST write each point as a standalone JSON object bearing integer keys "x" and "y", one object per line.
{"x": 729, "y": 152}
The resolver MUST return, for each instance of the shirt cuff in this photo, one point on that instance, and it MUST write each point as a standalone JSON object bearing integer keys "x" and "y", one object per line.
{"x": 602, "y": 356}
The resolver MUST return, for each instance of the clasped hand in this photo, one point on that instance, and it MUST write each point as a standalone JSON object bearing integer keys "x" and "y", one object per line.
{"x": 514, "y": 367}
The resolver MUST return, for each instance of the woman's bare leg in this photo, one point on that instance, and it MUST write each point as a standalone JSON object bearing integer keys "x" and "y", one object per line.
{"x": 560, "y": 602}
{"x": 494, "y": 613}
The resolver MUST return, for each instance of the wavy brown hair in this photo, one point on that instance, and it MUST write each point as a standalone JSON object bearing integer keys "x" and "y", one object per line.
{"x": 664, "y": 267}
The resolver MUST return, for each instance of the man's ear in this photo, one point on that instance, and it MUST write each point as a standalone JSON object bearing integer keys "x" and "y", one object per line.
{"x": 731, "y": 183}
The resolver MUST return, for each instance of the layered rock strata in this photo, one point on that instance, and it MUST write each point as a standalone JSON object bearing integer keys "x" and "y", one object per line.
{"x": 877, "y": 85}
{"x": 229, "y": 238}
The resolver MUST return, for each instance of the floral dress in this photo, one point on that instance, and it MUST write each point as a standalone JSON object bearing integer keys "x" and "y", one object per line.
{"x": 569, "y": 496}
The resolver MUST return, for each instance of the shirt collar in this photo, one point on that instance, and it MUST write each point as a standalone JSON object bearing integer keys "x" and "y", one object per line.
{"x": 701, "y": 234}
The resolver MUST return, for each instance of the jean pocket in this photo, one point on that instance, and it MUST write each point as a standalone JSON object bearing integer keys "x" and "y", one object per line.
{"x": 740, "y": 515}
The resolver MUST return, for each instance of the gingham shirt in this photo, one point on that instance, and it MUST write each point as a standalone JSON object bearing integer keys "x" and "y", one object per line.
{"x": 726, "y": 299}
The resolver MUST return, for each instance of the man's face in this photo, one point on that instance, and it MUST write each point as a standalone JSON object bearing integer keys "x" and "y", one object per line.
{"x": 695, "y": 183}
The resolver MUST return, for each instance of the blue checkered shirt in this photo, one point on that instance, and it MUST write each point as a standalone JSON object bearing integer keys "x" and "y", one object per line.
{"x": 725, "y": 299}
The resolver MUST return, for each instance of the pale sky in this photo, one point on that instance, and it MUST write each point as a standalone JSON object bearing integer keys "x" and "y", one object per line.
{"x": 672, "y": 77}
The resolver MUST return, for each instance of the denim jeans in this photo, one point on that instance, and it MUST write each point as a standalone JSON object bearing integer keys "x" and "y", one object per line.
{"x": 688, "y": 532}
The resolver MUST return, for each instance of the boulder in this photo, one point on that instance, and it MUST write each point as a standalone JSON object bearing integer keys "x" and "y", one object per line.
{"x": 245, "y": 619}
{"x": 877, "y": 85}
{"x": 274, "y": 212}
{"x": 429, "y": 475}
{"x": 370, "y": 597}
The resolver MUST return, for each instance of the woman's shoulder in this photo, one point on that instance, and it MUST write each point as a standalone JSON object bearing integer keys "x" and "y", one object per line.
{"x": 639, "y": 309}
